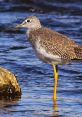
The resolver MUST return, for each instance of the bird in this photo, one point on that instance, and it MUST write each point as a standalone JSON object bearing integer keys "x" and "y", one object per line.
{"x": 50, "y": 46}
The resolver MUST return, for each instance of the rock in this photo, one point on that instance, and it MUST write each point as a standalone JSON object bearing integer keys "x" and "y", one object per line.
{"x": 9, "y": 86}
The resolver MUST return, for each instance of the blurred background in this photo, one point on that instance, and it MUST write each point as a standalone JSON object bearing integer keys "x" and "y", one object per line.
{"x": 35, "y": 77}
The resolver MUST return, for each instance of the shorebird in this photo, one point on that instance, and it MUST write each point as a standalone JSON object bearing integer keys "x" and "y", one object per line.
{"x": 50, "y": 46}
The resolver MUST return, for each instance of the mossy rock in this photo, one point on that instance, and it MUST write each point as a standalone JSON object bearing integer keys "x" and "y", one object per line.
{"x": 9, "y": 86}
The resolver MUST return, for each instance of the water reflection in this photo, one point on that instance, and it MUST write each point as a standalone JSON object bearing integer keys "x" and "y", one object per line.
{"x": 7, "y": 102}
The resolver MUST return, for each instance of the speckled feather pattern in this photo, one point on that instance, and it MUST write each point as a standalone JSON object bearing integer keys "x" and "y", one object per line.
{"x": 56, "y": 43}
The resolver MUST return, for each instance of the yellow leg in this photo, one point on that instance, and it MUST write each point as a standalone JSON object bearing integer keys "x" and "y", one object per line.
{"x": 55, "y": 82}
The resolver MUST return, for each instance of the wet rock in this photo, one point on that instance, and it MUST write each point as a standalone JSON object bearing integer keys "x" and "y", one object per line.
{"x": 9, "y": 86}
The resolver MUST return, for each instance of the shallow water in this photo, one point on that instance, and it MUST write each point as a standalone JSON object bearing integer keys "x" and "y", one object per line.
{"x": 35, "y": 77}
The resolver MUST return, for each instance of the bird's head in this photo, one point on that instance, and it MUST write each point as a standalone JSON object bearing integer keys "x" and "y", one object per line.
{"x": 31, "y": 22}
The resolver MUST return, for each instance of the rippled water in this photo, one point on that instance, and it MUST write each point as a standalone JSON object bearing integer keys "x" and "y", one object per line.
{"x": 35, "y": 77}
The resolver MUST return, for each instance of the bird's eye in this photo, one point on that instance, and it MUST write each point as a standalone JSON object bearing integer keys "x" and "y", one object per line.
{"x": 27, "y": 20}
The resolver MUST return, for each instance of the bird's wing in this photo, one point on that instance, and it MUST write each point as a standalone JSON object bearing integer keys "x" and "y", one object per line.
{"x": 57, "y": 43}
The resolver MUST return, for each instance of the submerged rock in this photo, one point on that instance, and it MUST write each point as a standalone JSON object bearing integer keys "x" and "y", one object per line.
{"x": 9, "y": 86}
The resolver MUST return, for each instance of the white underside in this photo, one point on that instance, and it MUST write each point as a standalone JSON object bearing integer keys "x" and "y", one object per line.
{"x": 46, "y": 55}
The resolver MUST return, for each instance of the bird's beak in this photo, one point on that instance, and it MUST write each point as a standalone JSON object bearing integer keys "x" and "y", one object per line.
{"x": 19, "y": 26}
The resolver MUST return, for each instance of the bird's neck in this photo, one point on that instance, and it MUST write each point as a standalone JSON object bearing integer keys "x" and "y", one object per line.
{"x": 32, "y": 29}
{"x": 33, "y": 36}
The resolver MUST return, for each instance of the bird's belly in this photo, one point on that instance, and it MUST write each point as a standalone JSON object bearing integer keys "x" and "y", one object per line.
{"x": 49, "y": 59}
{"x": 47, "y": 56}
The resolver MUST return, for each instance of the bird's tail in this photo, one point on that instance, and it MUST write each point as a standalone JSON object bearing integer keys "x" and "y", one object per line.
{"x": 78, "y": 52}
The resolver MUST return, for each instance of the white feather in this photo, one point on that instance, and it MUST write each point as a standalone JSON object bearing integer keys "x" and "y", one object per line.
{"x": 42, "y": 52}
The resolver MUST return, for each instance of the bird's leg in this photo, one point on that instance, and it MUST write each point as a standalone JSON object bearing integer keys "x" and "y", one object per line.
{"x": 55, "y": 82}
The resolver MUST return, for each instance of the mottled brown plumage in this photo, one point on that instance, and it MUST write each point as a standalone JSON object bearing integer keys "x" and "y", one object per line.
{"x": 56, "y": 43}
{"x": 51, "y": 46}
